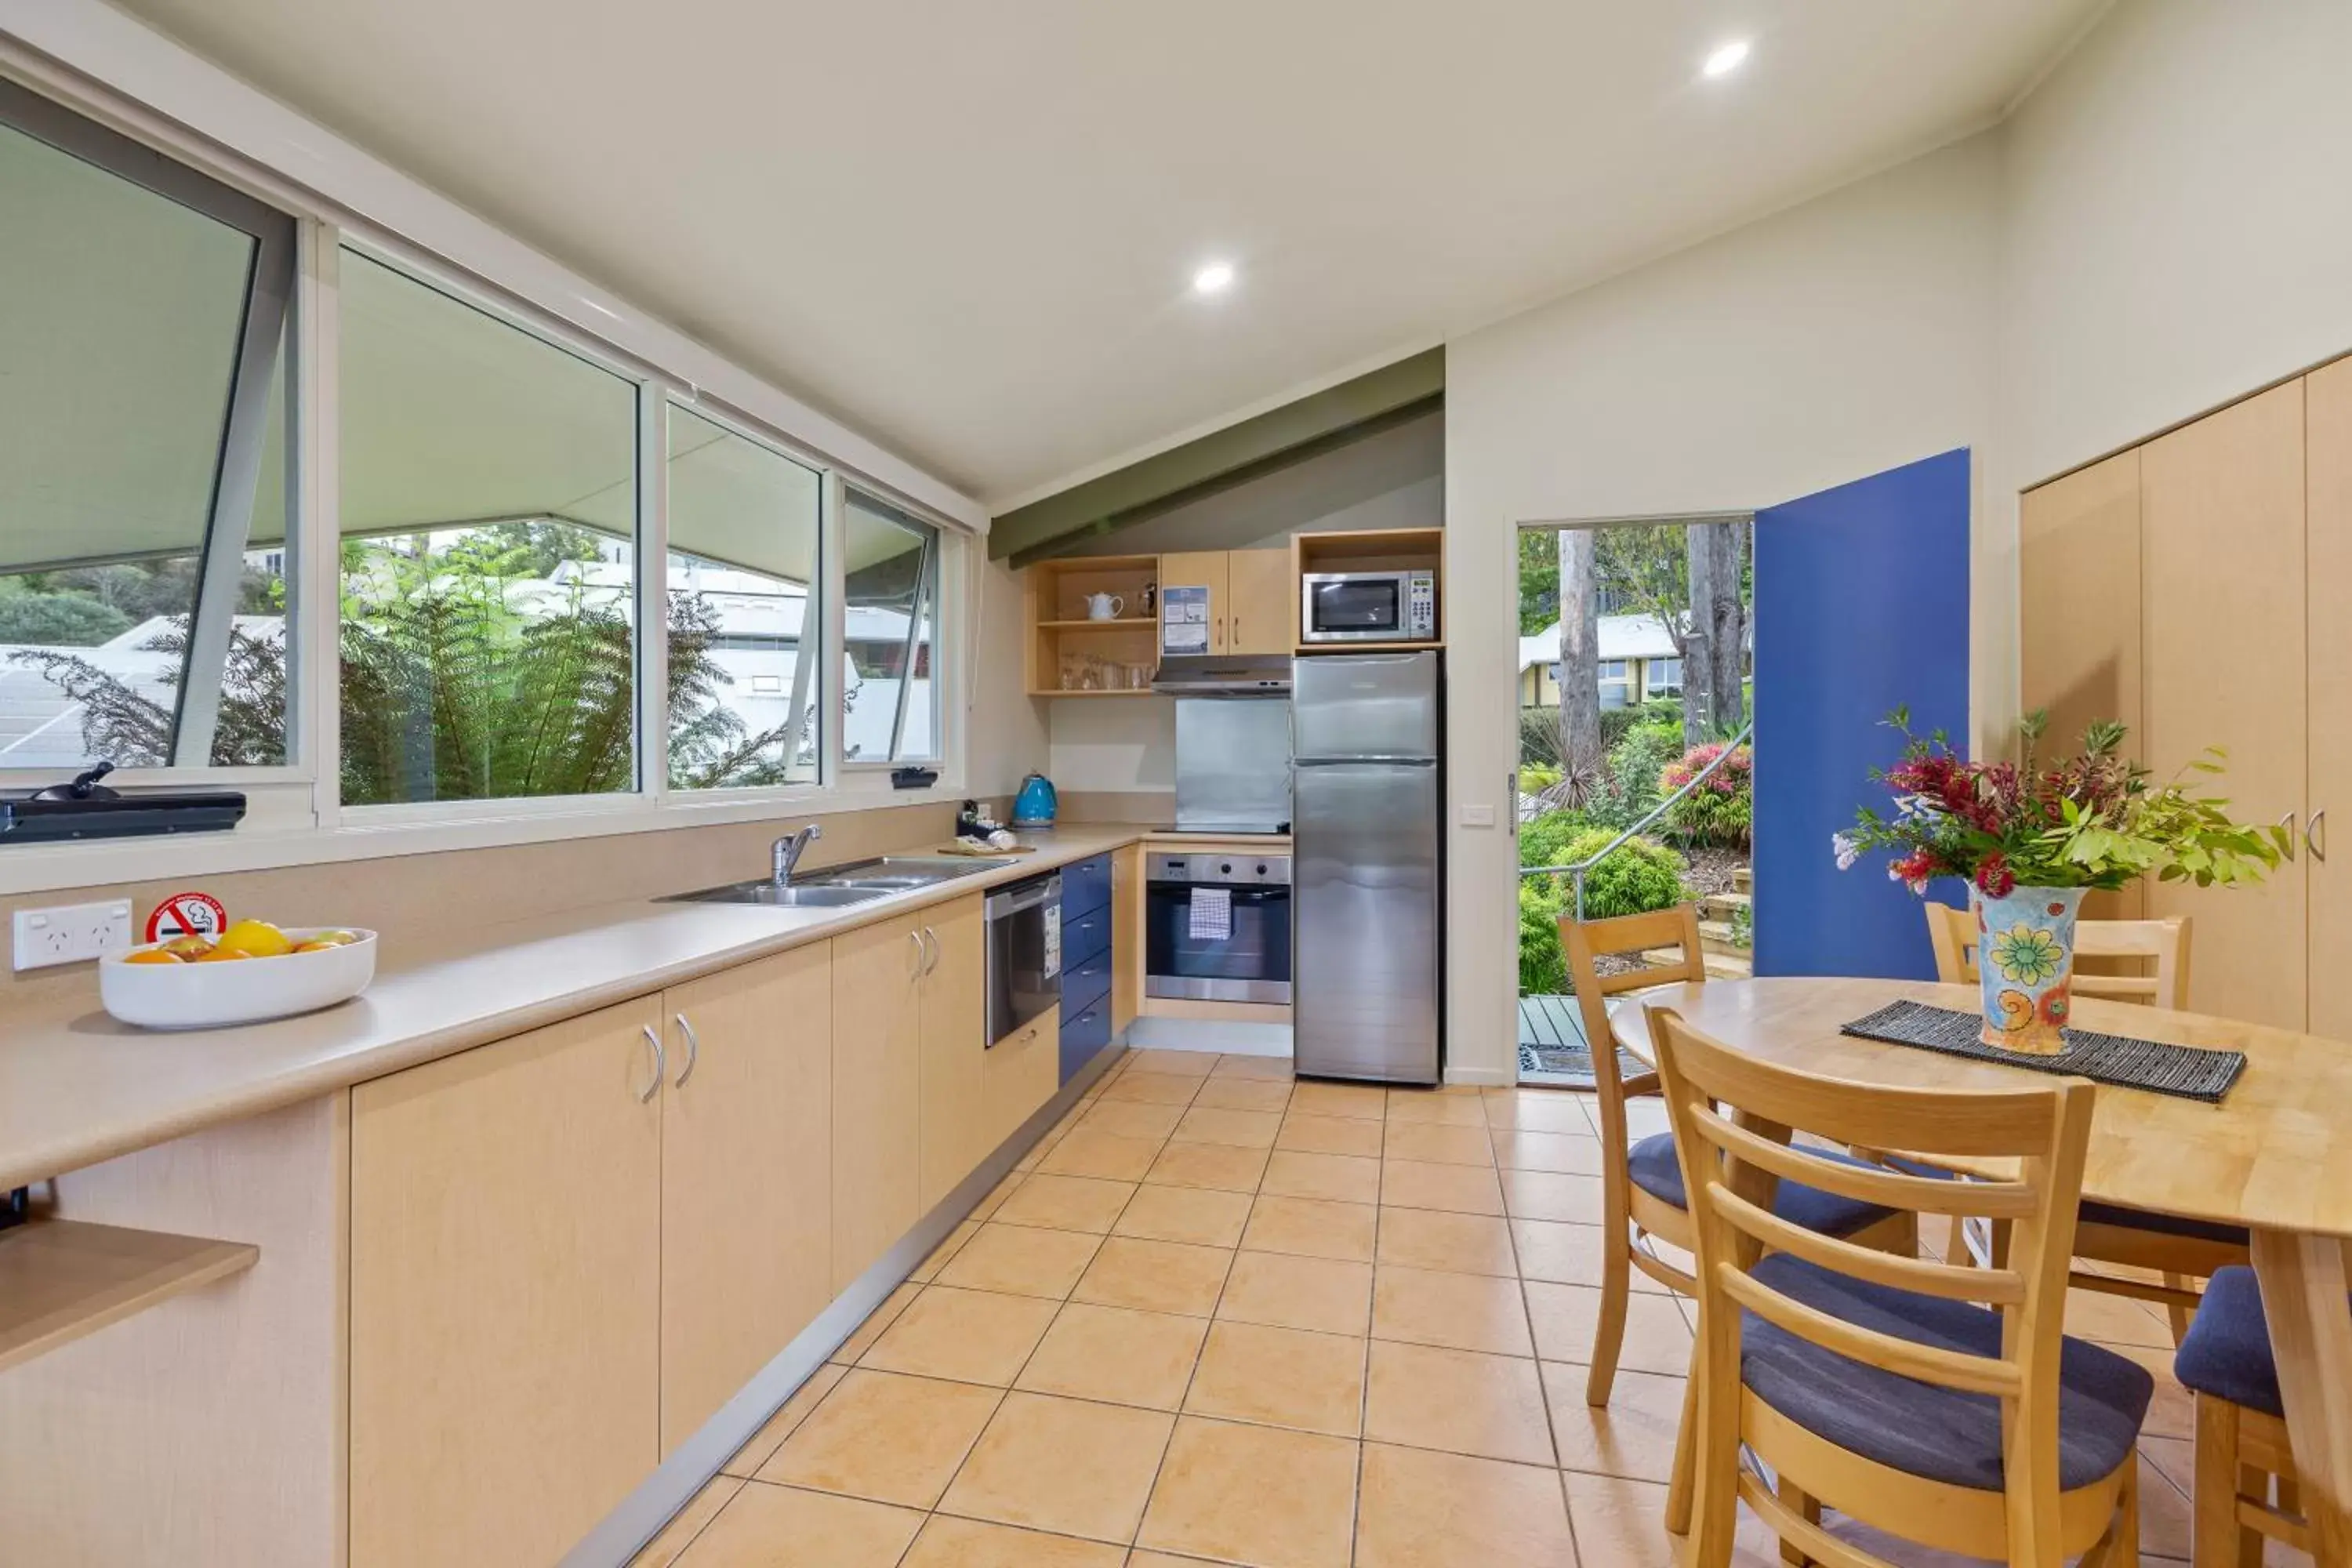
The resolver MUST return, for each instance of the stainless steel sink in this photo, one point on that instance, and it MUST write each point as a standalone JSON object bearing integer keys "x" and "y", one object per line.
{"x": 799, "y": 896}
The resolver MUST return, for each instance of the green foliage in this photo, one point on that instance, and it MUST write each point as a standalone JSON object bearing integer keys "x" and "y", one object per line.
{"x": 60, "y": 620}
{"x": 1538, "y": 580}
{"x": 1616, "y": 724}
{"x": 1543, "y": 968}
{"x": 1535, "y": 779}
{"x": 1640, "y": 876}
{"x": 1539, "y": 738}
{"x": 1721, "y": 810}
{"x": 1544, "y": 841}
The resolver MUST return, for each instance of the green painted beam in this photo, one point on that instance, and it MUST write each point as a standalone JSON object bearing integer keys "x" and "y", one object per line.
{"x": 1130, "y": 495}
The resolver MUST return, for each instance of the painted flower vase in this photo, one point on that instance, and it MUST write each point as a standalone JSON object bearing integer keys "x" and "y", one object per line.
{"x": 2025, "y": 958}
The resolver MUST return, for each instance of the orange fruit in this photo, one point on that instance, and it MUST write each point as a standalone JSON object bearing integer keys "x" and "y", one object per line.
{"x": 220, "y": 955}
{"x": 152, "y": 956}
{"x": 189, "y": 946}
{"x": 317, "y": 945}
{"x": 256, "y": 938}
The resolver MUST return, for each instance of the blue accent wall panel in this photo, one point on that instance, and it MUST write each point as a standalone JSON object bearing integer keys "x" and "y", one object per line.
{"x": 1861, "y": 607}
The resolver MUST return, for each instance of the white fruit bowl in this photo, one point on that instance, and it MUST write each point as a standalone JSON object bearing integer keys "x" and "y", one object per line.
{"x": 248, "y": 991}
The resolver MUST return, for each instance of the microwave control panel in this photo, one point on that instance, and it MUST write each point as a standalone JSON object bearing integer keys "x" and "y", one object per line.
{"x": 1421, "y": 607}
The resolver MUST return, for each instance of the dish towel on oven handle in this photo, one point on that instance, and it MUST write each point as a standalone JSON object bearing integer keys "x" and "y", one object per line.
{"x": 1213, "y": 914}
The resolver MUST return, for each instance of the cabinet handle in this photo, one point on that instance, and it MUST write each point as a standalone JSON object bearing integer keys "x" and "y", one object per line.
{"x": 2313, "y": 839}
{"x": 922, "y": 954}
{"x": 2287, "y": 822}
{"x": 931, "y": 940}
{"x": 693, "y": 1050}
{"x": 661, "y": 1066}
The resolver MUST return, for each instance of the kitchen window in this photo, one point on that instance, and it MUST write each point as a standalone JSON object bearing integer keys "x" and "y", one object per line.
{"x": 890, "y": 593}
{"x": 144, "y": 453}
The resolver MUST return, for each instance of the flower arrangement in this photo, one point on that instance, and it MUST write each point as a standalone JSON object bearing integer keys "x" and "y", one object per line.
{"x": 2032, "y": 839}
{"x": 2089, "y": 821}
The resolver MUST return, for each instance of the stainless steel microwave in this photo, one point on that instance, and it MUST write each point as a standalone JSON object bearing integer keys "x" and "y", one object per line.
{"x": 1368, "y": 606}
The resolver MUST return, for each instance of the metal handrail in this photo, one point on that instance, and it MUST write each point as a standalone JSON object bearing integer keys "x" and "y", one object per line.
{"x": 1581, "y": 868}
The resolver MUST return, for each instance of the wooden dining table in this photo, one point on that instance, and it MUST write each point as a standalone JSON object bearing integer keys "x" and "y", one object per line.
{"x": 2275, "y": 1156}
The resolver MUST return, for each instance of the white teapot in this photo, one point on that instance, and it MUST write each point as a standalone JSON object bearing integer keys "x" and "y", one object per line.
{"x": 1104, "y": 606}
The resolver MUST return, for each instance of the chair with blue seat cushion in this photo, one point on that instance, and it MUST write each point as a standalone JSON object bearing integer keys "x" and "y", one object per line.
{"x": 1641, "y": 1184}
{"x": 2245, "y": 1468}
{"x": 1930, "y": 1401}
{"x": 2179, "y": 1250}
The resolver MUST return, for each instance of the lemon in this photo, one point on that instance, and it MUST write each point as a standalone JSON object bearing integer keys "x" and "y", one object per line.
{"x": 253, "y": 939}
{"x": 152, "y": 955}
{"x": 221, "y": 955}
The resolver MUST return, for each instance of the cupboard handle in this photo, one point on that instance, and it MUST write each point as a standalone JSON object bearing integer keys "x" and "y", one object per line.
{"x": 693, "y": 1050}
{"x": 922, "y": 954}
{"x": 661, "y": 1066}
{"x": 2313, "y": 839}
{"x": 931, "y": 940}
{"x": 2287, "y": 822}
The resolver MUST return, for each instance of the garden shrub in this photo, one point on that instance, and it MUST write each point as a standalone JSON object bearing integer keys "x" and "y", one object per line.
{"x": 1720, "y": 811}
{"x": 1543, "y": 841}
{"x": 59, "y": 620}
{"x": 1534, "y": 780}
{"x": 1643, "y": 874}
{"x": 1543, "y": 968}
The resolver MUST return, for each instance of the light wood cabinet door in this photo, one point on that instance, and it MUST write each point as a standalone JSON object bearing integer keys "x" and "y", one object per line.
{"x": 505, "y": 1295}
{"x": 878, "y": 1064}
{"x": 1022, "y": 1072}
{"x": 2329, "y": 612}
{"x": 2223, "y": 561}
{"x": 747, "y": 1174}
{"x": 1201, "y": 569}
{"x": 2079, "y": 652}
{"x": 1261, "y": 601}
{"x": 955, "y": 1025}
{"x": 1126, "y": 937}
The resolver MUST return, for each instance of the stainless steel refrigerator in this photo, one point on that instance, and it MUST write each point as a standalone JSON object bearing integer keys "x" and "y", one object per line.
{"x": 1369, "y": 803}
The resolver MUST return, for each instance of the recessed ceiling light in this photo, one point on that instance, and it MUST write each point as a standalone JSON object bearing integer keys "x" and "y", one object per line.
{"x": 1214, "y": 279}
{"x": 1727, "y": 59}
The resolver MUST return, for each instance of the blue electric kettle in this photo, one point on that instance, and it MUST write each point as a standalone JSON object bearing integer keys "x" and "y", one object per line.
{"x": 1035, "y": 805}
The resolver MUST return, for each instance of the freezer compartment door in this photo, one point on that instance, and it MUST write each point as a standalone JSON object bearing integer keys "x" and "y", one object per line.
{"x": 1364, "y": 705}
{"x": 1365, "y": 879}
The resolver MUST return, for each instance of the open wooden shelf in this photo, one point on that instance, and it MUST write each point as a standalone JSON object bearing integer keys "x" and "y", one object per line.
{"x": 1062, "y": 637}
{"x": 1124, "y": 623}
{"x": 1098, "y": 691}
{"x": 62, "y": 1279}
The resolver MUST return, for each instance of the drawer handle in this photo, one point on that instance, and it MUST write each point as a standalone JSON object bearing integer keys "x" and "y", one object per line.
{"x": 693, "y": 1050}
{"x": 931, "y": 942}
{"x": 661, "y": 1066}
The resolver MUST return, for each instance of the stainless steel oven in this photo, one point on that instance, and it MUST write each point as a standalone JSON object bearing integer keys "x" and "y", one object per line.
{"x": 1217, "y": 927}
{"x": 1024, "y": 951}
{"x": 1368, "y": 606}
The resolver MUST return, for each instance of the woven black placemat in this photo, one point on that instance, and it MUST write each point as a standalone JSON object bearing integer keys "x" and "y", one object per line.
{"x": 2188, "y": 1072}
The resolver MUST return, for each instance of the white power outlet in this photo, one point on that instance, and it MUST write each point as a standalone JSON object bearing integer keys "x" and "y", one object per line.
{"x": 72, "y": 934}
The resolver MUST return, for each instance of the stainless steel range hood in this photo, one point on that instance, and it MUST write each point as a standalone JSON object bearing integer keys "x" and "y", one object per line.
{"x": 1223, "y": 674}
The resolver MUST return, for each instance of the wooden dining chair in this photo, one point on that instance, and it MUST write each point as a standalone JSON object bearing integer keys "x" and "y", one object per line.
{"x": 2245, "y": 1479}
{"x": 1877, "y": 1385}
{"x": 1641, "y": 1181}
{"x": 2176, "y": 1251}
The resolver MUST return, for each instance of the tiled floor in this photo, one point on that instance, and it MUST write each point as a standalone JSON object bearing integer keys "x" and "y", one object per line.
{"x": 1216, "y": 1318}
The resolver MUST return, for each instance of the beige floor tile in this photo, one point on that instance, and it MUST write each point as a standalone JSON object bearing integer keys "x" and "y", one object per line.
{"x": 1342, "y": 1178}
{"x": 2167, "y": 1517}
{"x": 1180, "y": 1064}
{"x": 861, "y": 1339}
{"x": 1155, "y": 1276}
{"x": 782, "y": 1425}
{"x": 1066, "y": 1466}
{"x": 1622, "y": 1524}
{"x": 1204, "y": 1216}
{"x": 885, "y": 1437}
{"x": 1243, "y": 1129}
{"x": 1438, "y": 1142}
{"x": 966, "y": 1336}
{"x": 1568, "y": 1254}
{"x": 1358, "y": 1102}
{"x": 1424, "y": 1510}
{"x": 1220, "y": 1165}
{"x": 1460, "y": 1401}
{"x": 1311, "y": 1227}
{"x": 1255, "y": 1495}
{"x": 927, "y": 1270}
{"x": 1458, "y": 1189}
{"x": 1280, "y": 1377}
{"x": 2173, "y": 1459}
{"x": 1452, "y": 1243}
{"x": 1005, "y": 1189}
{"x": 1066, "y": 1202}
{"x": 1164, "y": 1560}
{"x": 1152, "y": 1088}
{"x": 1450, "y": 1105}
{"x": 1564, "y": 1316}
{"x": 782, "y": 1527}
{"x": 665, "y": 1548}
{"x": 1565, "y": 1152}
{"x": 1134, "y": 1119}
{"x": 2173, "y": 1412}
{"x": 1633, "y": 1437}
{"x": 1546, "y": 1194}
{"x": 1259, "y": 1094}
{"x": 947, "y": 1542}
{"x": 1021, "y": 1261}
{"x": 1319, "y": 1293}
{"x": 1231, "y": 1066}
{"x": 2116, "y": 1320}
{"x": 1088, "y": 1152}
{"x": 1116, "y": 1355}
{"x": 1539, "y": 1111}
{"x": 1329, "y": 1135}
{"x": 1465, "y": 1312}
{"x": 1644, "y": 1118}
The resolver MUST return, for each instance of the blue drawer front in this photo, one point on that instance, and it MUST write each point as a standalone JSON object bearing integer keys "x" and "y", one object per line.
{"x": 1085, "y": 936}
{"x": 1084, "y": 1034}
{"x": 1085, "y": 983}
{"x": 1086, "y": 885}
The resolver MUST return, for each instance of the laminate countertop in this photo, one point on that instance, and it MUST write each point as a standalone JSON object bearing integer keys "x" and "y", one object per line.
{"x": 79, "y": 1088}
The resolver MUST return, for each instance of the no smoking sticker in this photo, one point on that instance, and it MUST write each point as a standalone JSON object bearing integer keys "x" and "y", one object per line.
{"x": 187, "y": 914}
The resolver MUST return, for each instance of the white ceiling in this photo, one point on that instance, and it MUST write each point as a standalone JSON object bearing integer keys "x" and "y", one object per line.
{"x": 969, "y": 229}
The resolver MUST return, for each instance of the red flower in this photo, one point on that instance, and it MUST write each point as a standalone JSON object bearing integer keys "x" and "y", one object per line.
{"x": 1994, "y": 878}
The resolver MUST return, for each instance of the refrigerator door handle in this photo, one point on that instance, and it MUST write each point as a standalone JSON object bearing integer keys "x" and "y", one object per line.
{"x": 1365, "y": 761}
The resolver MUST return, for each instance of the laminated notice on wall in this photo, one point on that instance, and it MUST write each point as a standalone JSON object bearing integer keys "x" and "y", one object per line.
{"x": 1183, "y": 620}
{"x": 1211, "y": 914}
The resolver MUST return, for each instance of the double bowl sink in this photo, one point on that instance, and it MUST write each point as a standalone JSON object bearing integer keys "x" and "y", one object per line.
{"x": 842, "y": 887}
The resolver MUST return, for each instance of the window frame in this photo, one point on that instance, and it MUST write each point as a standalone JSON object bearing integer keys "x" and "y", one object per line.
{"x": 936, "y": 545}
